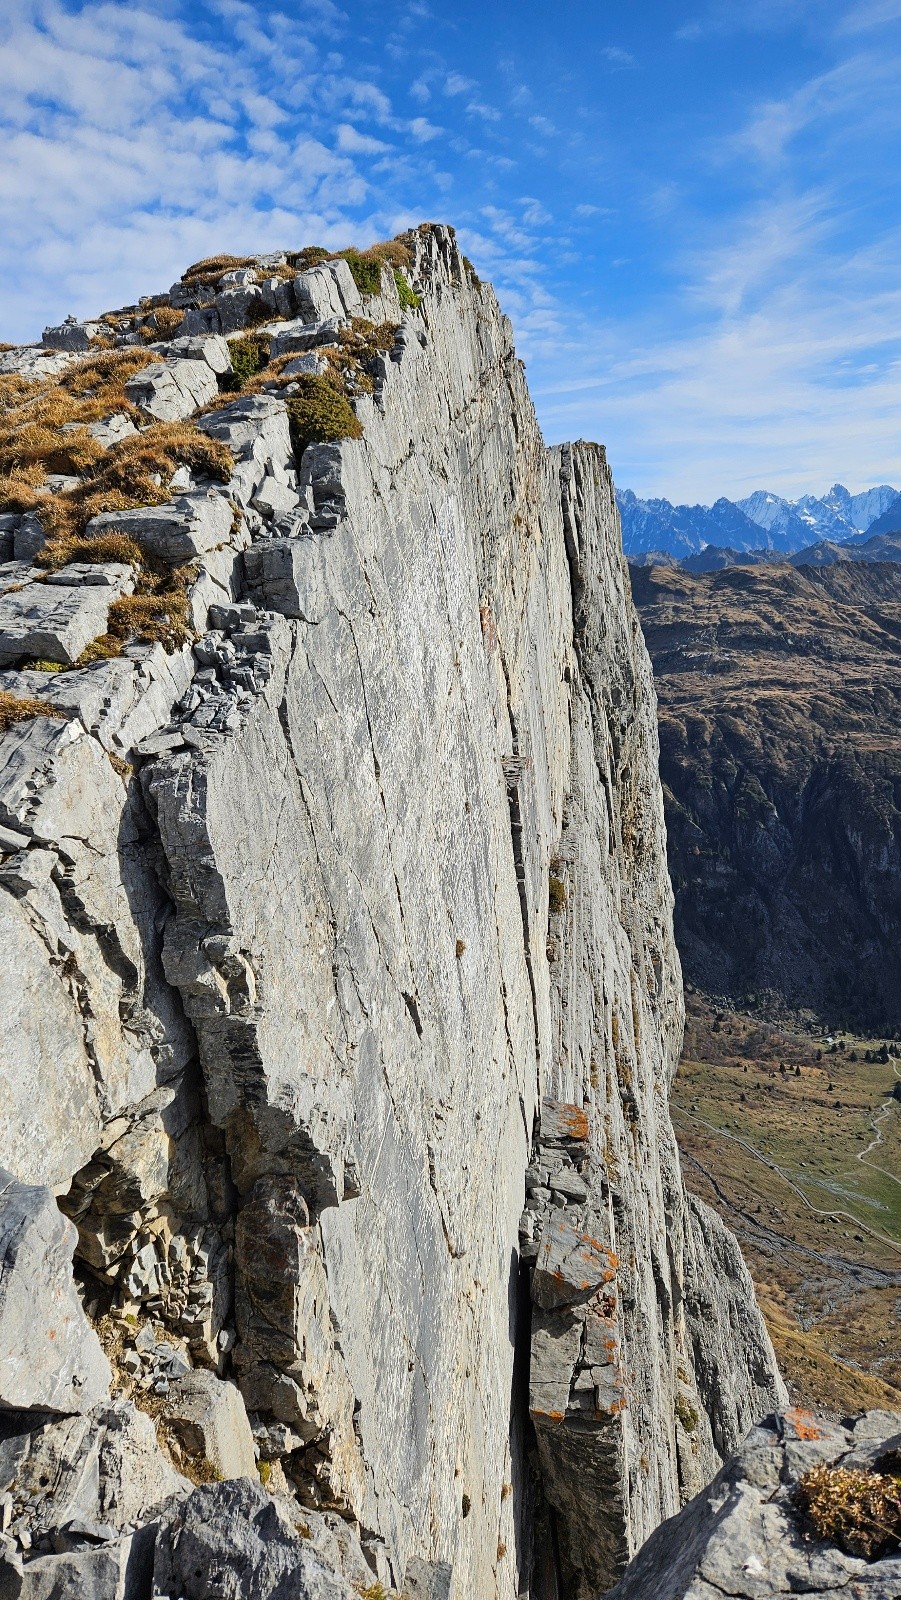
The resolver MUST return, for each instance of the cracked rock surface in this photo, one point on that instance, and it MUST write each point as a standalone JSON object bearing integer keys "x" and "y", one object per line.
{"x": 343, "y": 974}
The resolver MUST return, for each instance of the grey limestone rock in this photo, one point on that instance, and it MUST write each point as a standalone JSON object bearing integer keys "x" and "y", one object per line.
{"x": 71, "y": 335}
{"x": 210, "y": 348}
{"x": 256, "y": 431}
{"x": 327, "y": 291}
{"x": 231, "y": 1541}
{"x": 115, "y": 1570}
{"x": 311, "y": 1018}
{"x": 36, "y": 361}
{"x": 210, "y": 1421}
{"x": 744, "y": 1537}
{"x": 56, "y": 620}
{"x": 302, "y": 334}
{"x": 50, "y": 1357}
{"x": 173, "y": 389}
{"x": 187, "y": 526}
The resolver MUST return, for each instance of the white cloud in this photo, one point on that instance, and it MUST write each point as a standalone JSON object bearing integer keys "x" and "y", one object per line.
{"x": 787, "y": 371}
{"x": 618, "y": 57}
{"x": 132, "y": 145}
{"x": 356, "y": 143}
{"x": 455, "y": 83}
{"x": 424, "y": 131}
{"x": 543, "y": 125}
{"x": 478, "y": 108}
{"x": 871, "y": 14}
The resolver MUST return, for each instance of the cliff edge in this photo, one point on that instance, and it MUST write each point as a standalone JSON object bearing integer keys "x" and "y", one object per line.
{"x": 341, "y": 964}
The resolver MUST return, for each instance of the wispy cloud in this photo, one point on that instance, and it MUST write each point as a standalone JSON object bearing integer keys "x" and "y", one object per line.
{"x": 455, "y": 83}
{"x": 618, "y": 57}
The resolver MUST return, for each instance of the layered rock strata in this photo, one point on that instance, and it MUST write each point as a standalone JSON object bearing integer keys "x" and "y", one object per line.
{"x": 337, "y": 932}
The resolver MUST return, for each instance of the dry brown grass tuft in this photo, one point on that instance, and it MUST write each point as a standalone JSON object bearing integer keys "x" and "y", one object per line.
{"x": 15, "y": 708}
{"x": 860, "y": 1511}
{"x": 134, "y": 472}
{"x": 156, "y": 614}
{"x": 213, "y": 268}
{"x": 166, "y": 319}
{"x": 43, "y": 423}
{"x": 109, "y": 547}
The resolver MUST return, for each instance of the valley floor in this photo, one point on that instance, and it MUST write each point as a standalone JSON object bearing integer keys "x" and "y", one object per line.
{"x": 795, "y": 1138}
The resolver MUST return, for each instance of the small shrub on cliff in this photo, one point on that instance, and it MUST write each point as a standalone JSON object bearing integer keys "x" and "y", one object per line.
{"x": 320, "y": 412}
{"x": 860, "y": 1511}
{"x": 250, "y": 355}
{"x": 312, "y": 255}
{"x": 686, "y": 1413}
{"x": 406, "y": 296}
{"x": 556, "y": 895}
{"x": 366, "y": 270}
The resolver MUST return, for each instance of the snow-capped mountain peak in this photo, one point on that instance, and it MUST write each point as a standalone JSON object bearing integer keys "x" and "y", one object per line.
{"x": 761, "y": 521}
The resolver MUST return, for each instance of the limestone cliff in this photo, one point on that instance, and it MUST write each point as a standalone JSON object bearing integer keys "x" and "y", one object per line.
{"x": 341, "y": 971}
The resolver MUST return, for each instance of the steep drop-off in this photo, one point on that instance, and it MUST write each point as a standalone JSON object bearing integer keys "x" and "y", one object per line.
{"x": 345, "y": 994}
{"x": 781, "y": 764}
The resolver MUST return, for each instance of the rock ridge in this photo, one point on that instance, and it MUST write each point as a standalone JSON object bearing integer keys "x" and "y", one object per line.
{"x": 341, "y": 932}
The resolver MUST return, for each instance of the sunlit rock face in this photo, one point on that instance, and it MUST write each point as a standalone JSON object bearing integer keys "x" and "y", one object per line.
{"x": 355, "y": 997}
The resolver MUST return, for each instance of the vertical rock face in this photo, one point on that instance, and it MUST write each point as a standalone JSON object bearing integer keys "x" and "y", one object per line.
{"x": 415, "y": 920}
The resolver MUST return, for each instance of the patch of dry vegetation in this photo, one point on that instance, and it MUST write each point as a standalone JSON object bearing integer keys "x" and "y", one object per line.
{"x": 17, "y": 708}
{"x": 859, "y": 1511}
{"x": 136, "y": 471}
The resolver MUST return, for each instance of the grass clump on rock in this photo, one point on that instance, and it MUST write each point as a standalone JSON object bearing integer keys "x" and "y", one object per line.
{"x": 859, "y": 1511}
{"x": 134, "y": 472}
{"x": 320, "y": 412}
{"x": 156, "y": 614}
{"x": 15, "y": 708}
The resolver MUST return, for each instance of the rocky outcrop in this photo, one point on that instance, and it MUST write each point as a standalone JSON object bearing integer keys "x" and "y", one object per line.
{"x": 747, "y": 1536}
{"x": 353, "y": 933}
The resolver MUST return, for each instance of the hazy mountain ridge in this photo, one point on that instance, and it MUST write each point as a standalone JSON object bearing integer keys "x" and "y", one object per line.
{"x": 763, "y": 521}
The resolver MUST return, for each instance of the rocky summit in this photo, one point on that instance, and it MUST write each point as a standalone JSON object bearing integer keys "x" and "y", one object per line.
{"x": 344, "y": 1244}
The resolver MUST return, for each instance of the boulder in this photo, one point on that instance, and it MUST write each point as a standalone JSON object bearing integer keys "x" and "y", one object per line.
{"x": 173, "y": 390}
{"x": 327, "y": 291}
{"x": 232, "y": 1541}
{"x": 208, "y": 1418}
{"x": 255, "y": 429}
{"x": 95, "y": 1475}
{"x": 36, "y": 361}
{"x": 572, "y": 1265}
{"x": 208, "y": 347}
{"x": 744, "y": 1537}
{"x": 302, "y": 335}
{"x": 178, "y": 531}
{"x": 114, "y": 1571}
{"x": 72, "y": 335}
{"x": 56, "y": 620}
{"x": 50, "y": 1356}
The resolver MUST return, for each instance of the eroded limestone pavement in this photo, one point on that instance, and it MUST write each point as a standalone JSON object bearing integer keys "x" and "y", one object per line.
{"x": 341, "y": 1004}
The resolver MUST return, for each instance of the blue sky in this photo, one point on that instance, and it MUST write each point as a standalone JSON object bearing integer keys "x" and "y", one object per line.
{"x": 690, "y": 208}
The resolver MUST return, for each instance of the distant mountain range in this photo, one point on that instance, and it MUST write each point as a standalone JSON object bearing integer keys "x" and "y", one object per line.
{"x": 764, "y": 526}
